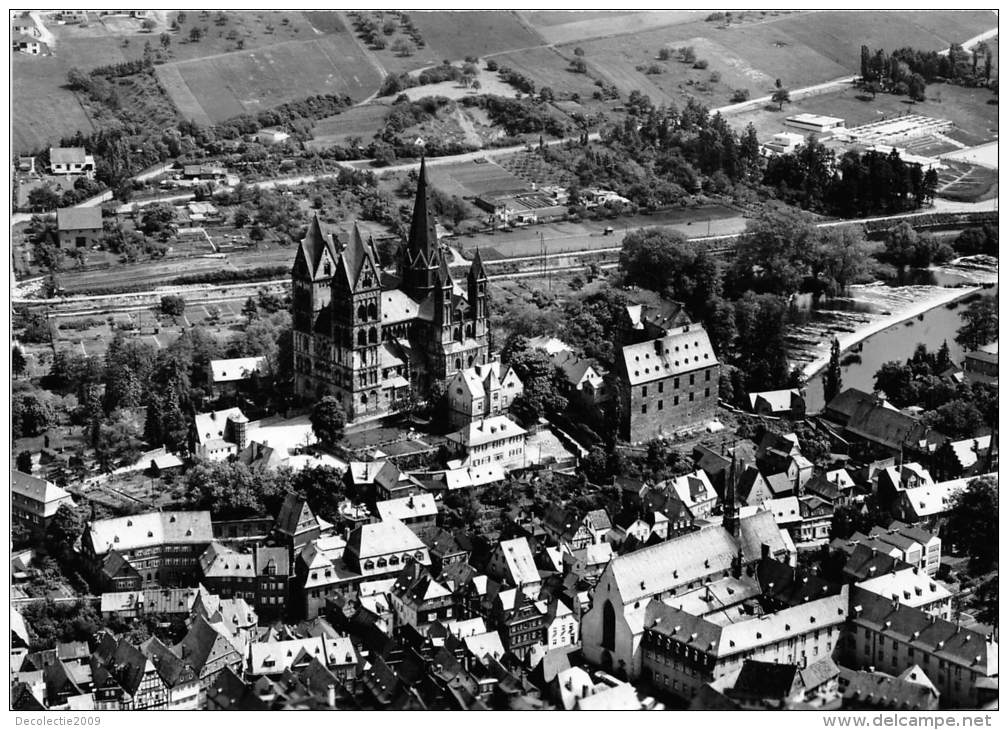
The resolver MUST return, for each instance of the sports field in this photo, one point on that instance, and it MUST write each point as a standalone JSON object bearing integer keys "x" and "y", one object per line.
{"x": 250, "y": 81}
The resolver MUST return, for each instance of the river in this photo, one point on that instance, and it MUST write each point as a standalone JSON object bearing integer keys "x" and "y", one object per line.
{"x": 896, "y": 317}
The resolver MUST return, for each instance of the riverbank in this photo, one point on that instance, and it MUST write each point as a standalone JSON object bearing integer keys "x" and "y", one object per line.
{"x": 943, "y": 297}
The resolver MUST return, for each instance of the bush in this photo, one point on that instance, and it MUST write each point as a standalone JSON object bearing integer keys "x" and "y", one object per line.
{"x": 173, "y": 305}
{"x": 740, "y": 95}
{"x": 701, "y": 64}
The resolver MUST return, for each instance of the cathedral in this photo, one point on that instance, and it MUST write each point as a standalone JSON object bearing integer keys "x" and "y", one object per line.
{"x": 371, "y": 338}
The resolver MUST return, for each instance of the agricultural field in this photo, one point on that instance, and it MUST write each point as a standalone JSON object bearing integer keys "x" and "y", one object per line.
{"x": 251, "y": 81}
{"x": 359, "y": 121}
{"x": 975, "y": 120}
{"x": 547, "y": 67}
{"x": 470, "y": 179}
{"x": 454, "y": 35}
{"x": 392, "y": 61}
{"x": 801, "y": 49}
{"x": 566, "y": 27}
{"x": 46, "y": 109}
{"x": 532, "y": 167}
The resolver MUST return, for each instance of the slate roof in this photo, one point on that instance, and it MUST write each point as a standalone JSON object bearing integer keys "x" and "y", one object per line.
{"x": 646, "y": 572}
{"x": 36, "y": 488}
{"x": 402, "y": 508}
{"x": 935, "y": 636}
{"x": 487, "y": 430}
{"x": 685, "y": 350}
{"x": 520, "y": 564}
{"x": 220, "y": 561}
{"x": 67, "y": 155}
{"x": 382, "y": 538}
{"x": 151, "y": 529}
{"x": 875, "y": 689}
{"x": 210, "y": 426}
{"x": 768, "y": 680}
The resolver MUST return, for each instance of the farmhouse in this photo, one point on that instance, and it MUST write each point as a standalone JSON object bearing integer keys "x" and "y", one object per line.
{"x": 71, "y": 161}
{"x": 79, "y": 227}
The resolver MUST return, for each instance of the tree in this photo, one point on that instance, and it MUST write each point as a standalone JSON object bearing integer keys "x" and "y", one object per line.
{"x": 985, "y": 597}
{"x": 980, "y": 324}
{"x": 327, "y": 420}
{"x": 195, "y": 34}
{"x": 832, "y": 380}
{"x": 24, "y": 462}
{"x": 840, "y": 256}
{"x": 973, "y": 523}
{"x": 64, "y": 529}
{"x": 578, "y": 65}
{"x": 542, "y": 384}
{"x": 165, "y": 41}
{"x": 916, "y": 87}
{"x": 773, "y": 253}
{"x": 18, "y": 363}
{"x": 402, "y": 47}
{"x": 31, "y": 414}
{"x": 762, "y": 354}
{"x": 173, "y": 305}
{"x": 958, "y": 419}
{"x": 43, "y": 199}
{"x": 780, "y": 98}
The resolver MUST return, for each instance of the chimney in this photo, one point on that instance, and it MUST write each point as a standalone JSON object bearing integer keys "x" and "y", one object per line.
{"x": 331, "y": 695}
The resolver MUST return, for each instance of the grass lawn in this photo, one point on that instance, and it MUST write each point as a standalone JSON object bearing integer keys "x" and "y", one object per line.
{"x": 43, "y": 110}
{"x": 470, "y": 178}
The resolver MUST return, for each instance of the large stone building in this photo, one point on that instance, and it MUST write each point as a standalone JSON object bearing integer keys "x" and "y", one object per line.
{"x": 668, "y": 384}
{"x": 369, "y": 338}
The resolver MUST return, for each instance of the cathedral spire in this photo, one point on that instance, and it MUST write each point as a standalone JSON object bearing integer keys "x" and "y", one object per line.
{"x": 423, "y": 233}
{"x": 476, "y": 270}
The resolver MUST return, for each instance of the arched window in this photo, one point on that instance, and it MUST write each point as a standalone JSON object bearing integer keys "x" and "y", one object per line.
{"x": 362, "y": 338}
{"x": 361, "y": 312}
{"x": 372, "y": 335}
{"x": 458, "y": 363}
{"x": 608, "y": 626}
{"x": 456, "y": 334}
{"x": 470, "y": 361}
{"x": 469, "y": 330}
{"x": 363, "y": 399}
{"x": 372, "y": 311}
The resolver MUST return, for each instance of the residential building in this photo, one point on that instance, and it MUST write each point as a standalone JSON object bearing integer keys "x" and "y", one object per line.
{"x": 520, "y": 620}
{"x": 668, "y": 385}
{"x": 417, "y": 511}
{"x": 576, "y": 529}
{"x": 180, "y": 680}
{"x": 481, "y": 391}
{"x": 273, "y": 658}
{"x": 779, "y": 403}
{"x": 209, "y": 649}
{"x": 497, "y": 439}
{"x": 511, "y": 562}
{"x": 34, "y": 500}
{"x": 71, "y": 161}
{"x": 916, "y": 546}
{"x": 761, "y": 685}
{"x": 695, "y": 491}
{"x": 332, "y": 566}
{"x": 583, "y": 379}
{"x": 868, "y": 690}
{"x": 419, "y": 600}
{"x": 926, "y": 505}
{"x": 891, "y": 637}
{"x": 911, "y": 587}
{"x": 561, "y": 627}
{"x": 227, "y": 377}
{"x": 218, "y": 435}
{"x": 816, "y": 521}
{"x": 24, "y": 43}
{"x": 79, "y": 227}
{"x": 163, "y": 548}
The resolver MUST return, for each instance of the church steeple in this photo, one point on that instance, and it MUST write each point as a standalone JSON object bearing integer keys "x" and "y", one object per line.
{"x": 730, "y": 521}
{"x": 420, "y": 257}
